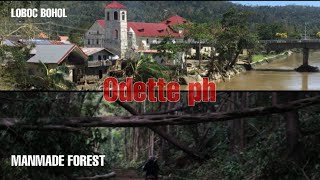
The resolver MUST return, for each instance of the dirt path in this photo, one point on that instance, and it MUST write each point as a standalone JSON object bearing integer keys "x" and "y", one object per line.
{"x": 127, "y": 174}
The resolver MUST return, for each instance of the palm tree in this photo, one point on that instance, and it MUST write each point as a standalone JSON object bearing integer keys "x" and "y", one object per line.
{"x": 146, "y": 67}
{"x": 53, "y": 79}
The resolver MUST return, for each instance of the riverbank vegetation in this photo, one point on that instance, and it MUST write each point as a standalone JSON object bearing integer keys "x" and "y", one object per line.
{"x": 259, "y": 57}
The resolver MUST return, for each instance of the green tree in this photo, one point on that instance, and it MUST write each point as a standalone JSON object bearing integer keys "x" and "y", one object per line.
{"x": 234, "y": 36}
{"x": 268, "y": 31}
{"x": 28, "y": 107}
{"x": 76, "y": 37}
{"x": 53, "y": 79}
{"x": 13, "y": 69}
{"x": 146, "y": 67}
{"x": 199, "y": 33}
{"x": 170, "y": 50}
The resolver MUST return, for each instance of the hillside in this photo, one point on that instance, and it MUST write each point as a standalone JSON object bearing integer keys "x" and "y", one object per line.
{"x": 81, "y": 14}
{"x": 147, "y": 11}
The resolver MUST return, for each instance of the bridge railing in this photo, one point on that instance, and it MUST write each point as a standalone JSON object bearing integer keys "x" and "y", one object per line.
{"x": 290, "y": 41}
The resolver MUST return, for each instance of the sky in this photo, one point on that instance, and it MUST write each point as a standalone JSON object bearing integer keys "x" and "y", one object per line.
{"x": 278, "y": 3}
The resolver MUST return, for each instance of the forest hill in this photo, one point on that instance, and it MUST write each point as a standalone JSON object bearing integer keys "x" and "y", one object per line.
{"x": 139, "y": 91}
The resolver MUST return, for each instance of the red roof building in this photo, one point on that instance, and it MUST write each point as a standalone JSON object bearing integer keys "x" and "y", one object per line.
{"x": 152, "y": 29}
{"x": 101, "y": 23}
{"x": 174, "y": 20}
{"x": 116, "y": 33}
{"x": 42, "y": 35}
{"x": 115, "y": 5}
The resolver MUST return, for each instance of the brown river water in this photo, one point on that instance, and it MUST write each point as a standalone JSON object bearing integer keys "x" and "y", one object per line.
{"x": 277, "y": 75}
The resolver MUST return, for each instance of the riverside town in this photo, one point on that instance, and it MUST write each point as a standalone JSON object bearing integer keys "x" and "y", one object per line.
{"x": 160, "y": 90}
{"x": 120, "y": 42}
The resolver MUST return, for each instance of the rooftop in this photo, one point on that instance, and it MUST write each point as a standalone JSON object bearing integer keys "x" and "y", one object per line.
{"x": 174, "y": 20}
{"x": 92, "y": 50}
{"x": 151, "y": 29}
{"x": 53, "y": 54}
{"x": 115, "y": 5}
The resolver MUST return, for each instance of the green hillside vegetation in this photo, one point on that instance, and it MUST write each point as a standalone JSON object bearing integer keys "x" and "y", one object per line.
{"x": 82, "y": 14}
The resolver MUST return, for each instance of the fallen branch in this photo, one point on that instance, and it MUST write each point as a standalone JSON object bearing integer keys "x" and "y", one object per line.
{"x": 160, "y": 120}
{"x": 48, "y": 128}
{"x": 168, "y": 112}
{"x": 110, "y": 175}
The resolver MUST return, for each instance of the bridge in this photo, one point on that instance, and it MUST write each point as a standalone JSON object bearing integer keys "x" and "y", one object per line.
{"x": 283, "y": 44}
{"x": 305, "y": 44}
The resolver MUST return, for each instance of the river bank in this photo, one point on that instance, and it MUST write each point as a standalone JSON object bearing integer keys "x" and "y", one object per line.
{"x": 276, "y": 75}
{"x": 271, "y": 59}
{"x": 219, "y": 76}
{"x": 240, "y": 68}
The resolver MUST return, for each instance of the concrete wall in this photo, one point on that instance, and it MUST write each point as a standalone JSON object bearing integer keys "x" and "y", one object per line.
{"x": 132, "y": 40}
{"x": 96, "y": 36}
{"x": 102, "y": 54}
{"x": 94, "y": 71}
{"x": 144, "y": 42}
{"x": 203, "y": 51}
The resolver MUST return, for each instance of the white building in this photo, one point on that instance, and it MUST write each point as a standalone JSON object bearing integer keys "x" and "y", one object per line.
{"x": 115, "y": 33}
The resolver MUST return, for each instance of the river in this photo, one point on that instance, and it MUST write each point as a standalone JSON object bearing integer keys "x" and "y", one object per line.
{"x": 277, "y": 75}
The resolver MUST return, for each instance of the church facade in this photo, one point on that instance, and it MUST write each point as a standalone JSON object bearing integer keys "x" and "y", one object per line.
{"x": 118, "y": 35}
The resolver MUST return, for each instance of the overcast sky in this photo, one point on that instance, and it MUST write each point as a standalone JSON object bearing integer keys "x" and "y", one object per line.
{"x": 278, "y": 3}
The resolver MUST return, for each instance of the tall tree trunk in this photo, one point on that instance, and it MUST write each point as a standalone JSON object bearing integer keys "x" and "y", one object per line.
{"x": 126, "y": 146}
{"x": 237, "y": 137}
{"x": 232, "y": 125}
{"x": 164, "y": 135}
{"x": 151, "y": 143}
{"x": 274, "y": 116}
{"x": 136, "y": 144}
{"x": 234, "y": 60}
{"x": 294, "y": 146}
{"x": 200, "y": 57}
{"x": 245, "y": 104}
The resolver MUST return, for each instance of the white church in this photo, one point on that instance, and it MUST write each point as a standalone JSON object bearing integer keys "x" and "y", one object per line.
{"x": 118, "y": 35}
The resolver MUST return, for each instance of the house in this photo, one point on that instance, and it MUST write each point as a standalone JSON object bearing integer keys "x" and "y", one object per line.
{"x": 16, "y": 40}
{"x": 13, "y": 40}
{"x": 99, "y": 61}
{"x": 52, "y": 56}
{"x": 95, "y": 36}
{"x": 64, "y": 39}
{"x": 117, "y": 34}
{"x": 42, "y": 35}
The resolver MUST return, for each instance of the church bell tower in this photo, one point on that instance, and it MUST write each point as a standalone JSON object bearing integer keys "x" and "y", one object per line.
{"x": 116, "y": 28}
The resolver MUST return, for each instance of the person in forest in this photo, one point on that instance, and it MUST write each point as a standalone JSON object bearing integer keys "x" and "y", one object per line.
{"x": 151, "y": 167}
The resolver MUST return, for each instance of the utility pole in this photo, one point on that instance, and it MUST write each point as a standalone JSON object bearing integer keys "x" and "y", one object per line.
{"x": 49, "y": 30}
{"x": 305, "y": 31}
{"x": 84, "y": 39}
{"x": 5, "y": 26}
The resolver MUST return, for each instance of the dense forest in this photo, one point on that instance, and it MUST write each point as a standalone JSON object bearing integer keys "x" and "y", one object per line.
{"x": 244, "y": 135}
{"x": 82, "y": 14}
